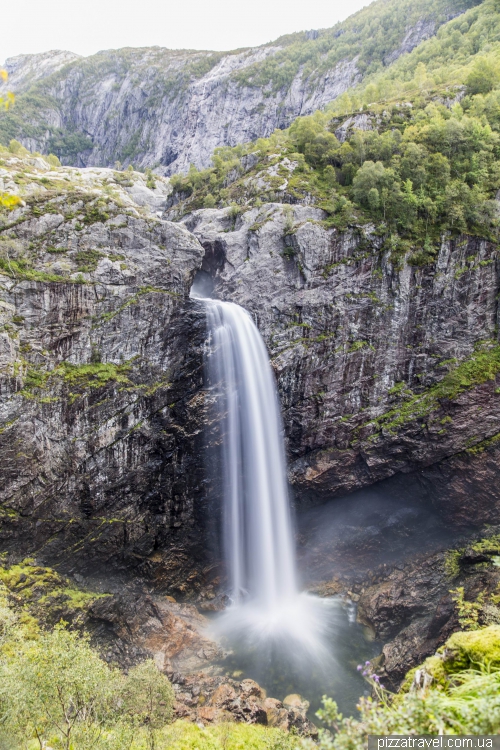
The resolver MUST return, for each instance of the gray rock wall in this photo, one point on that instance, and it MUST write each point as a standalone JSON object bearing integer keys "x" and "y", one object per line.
{"x": 100, "y": 380}
{"x": 352, "y": 335}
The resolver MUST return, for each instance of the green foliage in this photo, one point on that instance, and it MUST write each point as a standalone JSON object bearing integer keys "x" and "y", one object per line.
{"x": 55, "y": 685}
{"x": 469, "y": 649}
{"x": 488, "y": 545}
{"x": 209, "y": 201}
{"x": 483, "y": 77}
{"x": 436, "y": 66}
{"x": 53, "y": 160}
{"x": 474, "y": 614}
{"x": 462, "y": 698}
{"x": 67, "y": 145}
{"x": 373, "y": 36}
{"x": 87, "y": 260}
{"x": 150, "y": 179}
{"x": 483, "y": 365}
{"x": 17, "y": 148}
{"x": 56, "y": 691}
{"x": 230, "y": 736}
{"x": 422, "y": 165}
{"x": 94, "y": 213}
{"x": 79, "y": 378}
{"x": 21, "y": 269}
{"x": 452, "y": 562}
{"x": 438, "y": 172}
{"x": 148, "y": 698}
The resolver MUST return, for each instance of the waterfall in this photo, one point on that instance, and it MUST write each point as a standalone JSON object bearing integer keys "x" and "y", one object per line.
{"x": 267, "y": 608}
{"x": 258, "y": 538}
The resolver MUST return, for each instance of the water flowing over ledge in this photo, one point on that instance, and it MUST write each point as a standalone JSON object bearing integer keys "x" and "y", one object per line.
{"x": 267, "y": 609}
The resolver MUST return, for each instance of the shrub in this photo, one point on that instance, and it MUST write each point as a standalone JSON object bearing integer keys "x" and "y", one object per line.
{"x": 148, "y": 698}
{"x": 209, "y": 201}
{"x": 53, "y": 160}
{"x": 56, "y": 685}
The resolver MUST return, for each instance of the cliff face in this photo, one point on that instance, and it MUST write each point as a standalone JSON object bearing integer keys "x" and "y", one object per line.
{"x": 100, "y": 372}
{"x": 165, "y": 109}
{"x": 382, "y": 367}
{"x": 168, "y": 118}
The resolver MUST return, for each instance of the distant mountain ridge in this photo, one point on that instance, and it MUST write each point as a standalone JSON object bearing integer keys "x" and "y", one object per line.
{"x": 166, "y": 109}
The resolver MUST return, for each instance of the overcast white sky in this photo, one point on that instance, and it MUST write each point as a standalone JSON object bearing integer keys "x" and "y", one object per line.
{"x": 87, "y": 26}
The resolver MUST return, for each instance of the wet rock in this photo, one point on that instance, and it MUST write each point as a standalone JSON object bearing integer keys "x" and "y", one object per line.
{"x": 344, "y": 326}
{"x": 412, "y": 610}
{"x": 221, "y": 699}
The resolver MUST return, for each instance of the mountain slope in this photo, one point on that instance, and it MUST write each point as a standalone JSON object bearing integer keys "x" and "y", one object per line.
{"x": 166, "y": 109}
{"x": 415, "y": 151}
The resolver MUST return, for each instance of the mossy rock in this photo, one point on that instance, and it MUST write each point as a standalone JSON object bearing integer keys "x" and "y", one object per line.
{"x": 43, "y": 595}
{"x": 467, "y": 649}
{"x": 461, "y": 651}
{"x": 433, "y": 666}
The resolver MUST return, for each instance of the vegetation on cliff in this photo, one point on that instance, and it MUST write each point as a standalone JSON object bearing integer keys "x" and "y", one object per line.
{"x": 373, "y": 37}
{"x": 483, "y": 365}
{"x": 415, "y": 152}
{"x": 149, "y": 84}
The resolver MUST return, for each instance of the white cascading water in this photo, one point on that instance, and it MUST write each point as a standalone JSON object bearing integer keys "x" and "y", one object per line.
{"x": 258, "y": 535}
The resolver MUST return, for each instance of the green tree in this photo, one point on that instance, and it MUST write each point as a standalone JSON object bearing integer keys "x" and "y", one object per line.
{"x": 483, "y": 77}
{"x": 209, "y": 201}
{"x": 148, "y": 698}
{"x": 372, "y": 185}
{"x": 56, "y": 685}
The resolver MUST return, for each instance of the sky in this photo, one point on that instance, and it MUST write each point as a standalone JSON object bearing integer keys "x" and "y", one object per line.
{"x": 87, "y": 26}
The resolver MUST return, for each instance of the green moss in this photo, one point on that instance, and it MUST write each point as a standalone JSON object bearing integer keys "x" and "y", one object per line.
{"x": 484, "y": 444}
{"x": 452, "y": 562}
{"x": 6, "y": 512}
{"x": 357, "y": 345}
{"x": 92, "y": 375}
{"x": 434, "y": 666}
{"x": 489, "y": 544}
{"x": 22, "y": 577}
{"x": 467, "y": 649}
{"x": 482, "y": 365}
{"x": 95, "y": 214}
{"x": 21, "y": 270}
{"x": 42, "y": 595}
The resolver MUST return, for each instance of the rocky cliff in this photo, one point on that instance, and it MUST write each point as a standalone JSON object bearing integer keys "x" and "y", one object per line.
{"x": 101, "y": 374}
{"x": 165, "y": 109}
{"x": 383, "y": 368}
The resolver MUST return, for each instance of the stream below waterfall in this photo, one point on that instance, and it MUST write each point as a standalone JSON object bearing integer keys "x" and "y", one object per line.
{"x": 280, "y": 675}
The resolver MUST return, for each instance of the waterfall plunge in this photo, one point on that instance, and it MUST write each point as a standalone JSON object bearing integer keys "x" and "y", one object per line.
{"x": 258, "y": 530}
{"x": 258, "y": 538}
